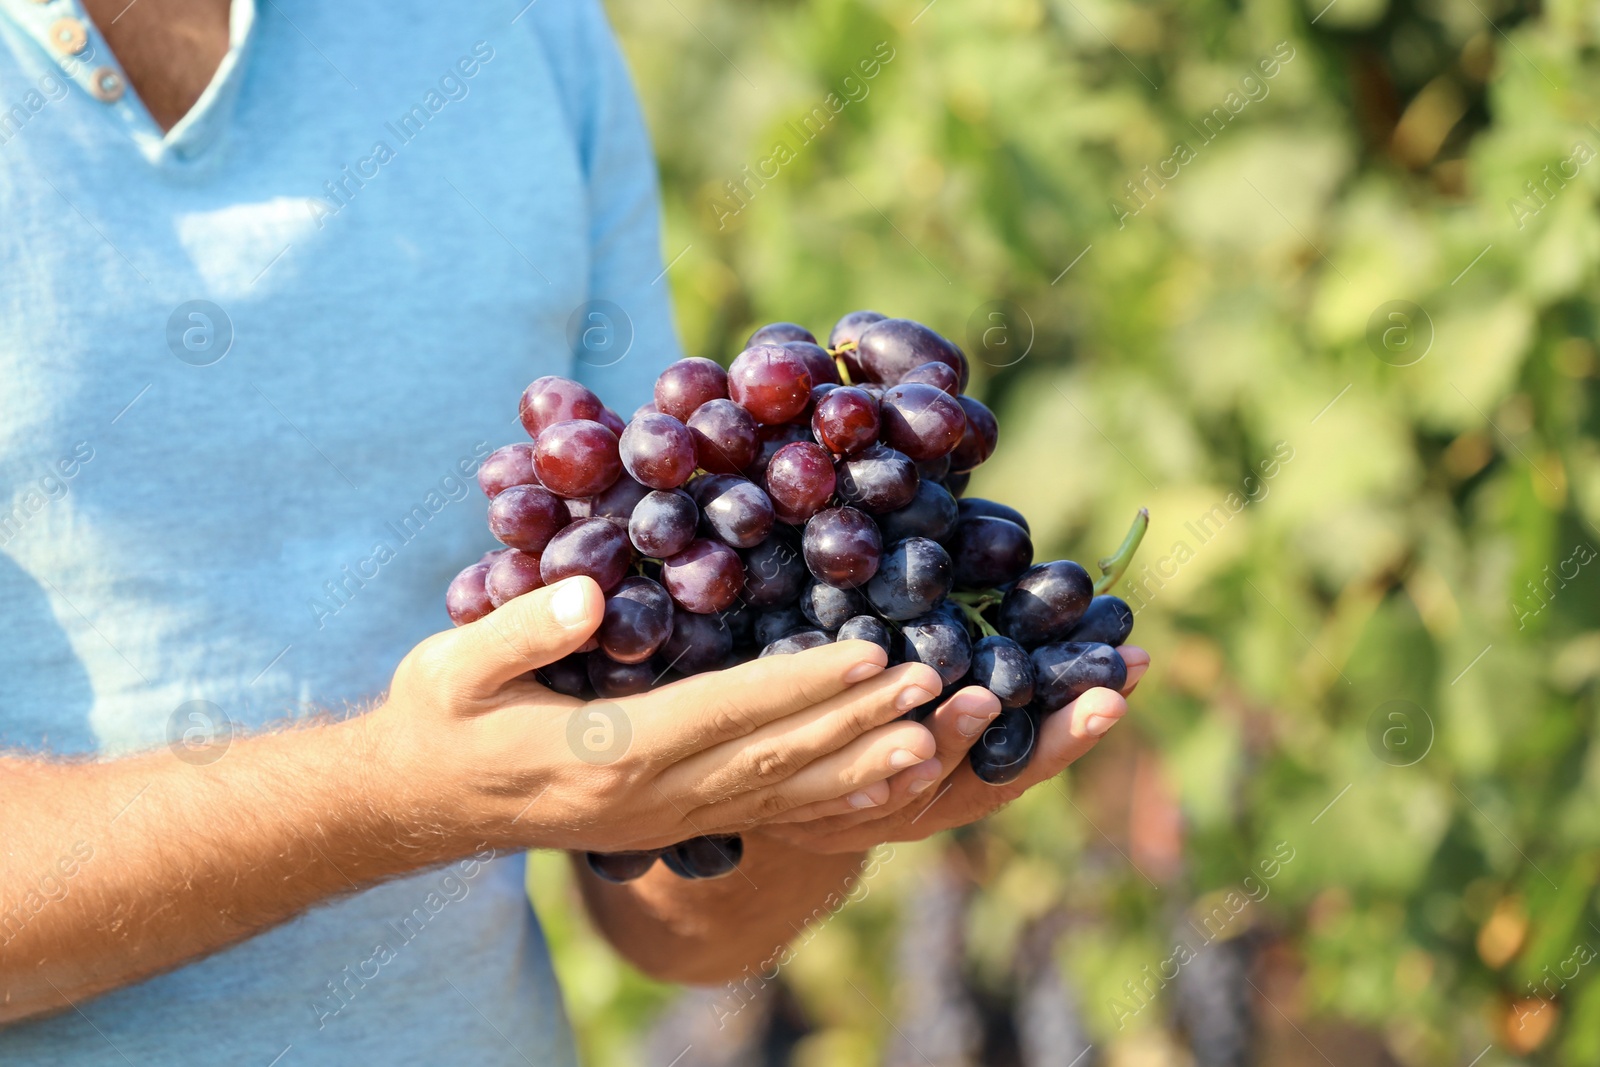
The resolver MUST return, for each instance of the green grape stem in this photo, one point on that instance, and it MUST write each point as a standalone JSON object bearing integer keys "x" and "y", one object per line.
{"x": 1114, "y": 566}
{"x": 975, "y": 616}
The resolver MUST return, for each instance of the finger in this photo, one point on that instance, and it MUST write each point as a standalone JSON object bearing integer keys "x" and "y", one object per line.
{"x": 1138, "y": 661}
{"x": 778, "y": 750}
{"x": 862, "y": 802}
{"x": 705, "y": 710}
{"x": 871, "y": 758}
{"x": 530, "y": 631}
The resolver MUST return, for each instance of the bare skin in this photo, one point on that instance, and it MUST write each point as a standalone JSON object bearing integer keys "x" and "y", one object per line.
{"x": 169, "y": 49}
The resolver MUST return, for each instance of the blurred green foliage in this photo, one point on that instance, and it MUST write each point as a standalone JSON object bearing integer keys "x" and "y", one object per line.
{"x": 1425, "y": 535}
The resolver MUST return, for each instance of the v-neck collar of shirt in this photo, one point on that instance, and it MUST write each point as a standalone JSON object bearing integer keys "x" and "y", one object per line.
{"x": 70, "y": 40}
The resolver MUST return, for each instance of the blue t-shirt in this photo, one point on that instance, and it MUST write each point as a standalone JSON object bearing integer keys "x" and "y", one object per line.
{"x": 247, "y": 371}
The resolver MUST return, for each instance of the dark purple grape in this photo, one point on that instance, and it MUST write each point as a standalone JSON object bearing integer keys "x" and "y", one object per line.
{"x": 506, "y": 466}
{"x": 824, "y": 371}
{"x": 780, "y": 622}
{"x": 774, "y": 573}
{"x": 890, "y": 348}
{"x": 921, "y": 420}
{"x": 466, "y": 599}
{"x": 739, "y": 621}
{"x": 848, "y": 331}
{"x": 941, "y": 376}
{"x": 940, "y": 641}
{"x": 931, "y": 513}
{"x": 956, "y": 482}
{"x": 878, "y": 479}
{"x": 842, "y": 547}
{"x": 663, "y": 523}
{"x": 658, "y": 451}
{"x": 734, "y": 511}
{"x": 978, "y": 438}
{"x": 772, "y": 439}
{"x": 568, "y": 675}
{"x": 725, "y": 440}
{"x": 1069, "y": 669}
{"x": 1003, "y": 751}
{"x": 865, "y": 628}
{"x": 800, "y": 481}
{"x": 612, "y": 680}
{"x": 527, "y": 516}
{"x": 619, "y": 501}
{"x": 777, "y": 333}
{"x": 976, "y": 505}
{"x": 799, "y": 641}
{"x": 705, "y": 857}
{"x": 914, "y": 576}
{"x": 698, "y": 643}
{"x": 933, "y": 470}
{"x": 846, "y": 420}
{"x": 1107, "y": 621}
{"x": 830, "y": 608}
{"x": 638, "y": 620}
{"x": 620, "y": 867}
{"x": 1046, "y": 603}
{"x": 704, "y": 577}
{"x": 1004, "y": 668}
{"x": 511, "y": 575}
{"x": 598, "y": 548}
{"x": 576, "y": 457}
{"x": 553, "y": 399}
{"x": 769, "y": 382}
{"x": 683, "y": 387}
{"x": 989, "y": 552}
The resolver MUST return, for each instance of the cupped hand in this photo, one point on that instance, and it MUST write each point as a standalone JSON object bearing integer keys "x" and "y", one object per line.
{"x": 943, "y": 792}
{"x": 468, "y": 745}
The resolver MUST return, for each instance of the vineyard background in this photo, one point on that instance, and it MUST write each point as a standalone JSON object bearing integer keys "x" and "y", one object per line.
{"x": 1317, "y": 285}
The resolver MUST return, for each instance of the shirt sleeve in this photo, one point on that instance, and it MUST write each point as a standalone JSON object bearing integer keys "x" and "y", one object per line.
{"x": 631, "y": 335}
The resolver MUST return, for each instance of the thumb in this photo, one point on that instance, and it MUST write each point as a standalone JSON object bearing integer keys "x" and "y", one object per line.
{"x": 528, "y": 631}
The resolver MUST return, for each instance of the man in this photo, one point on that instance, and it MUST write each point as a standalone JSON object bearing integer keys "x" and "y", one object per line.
{"x": 272, "y": 280}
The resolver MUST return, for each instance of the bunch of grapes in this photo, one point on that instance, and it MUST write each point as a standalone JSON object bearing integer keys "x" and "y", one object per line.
{"x": 802, "y": 496}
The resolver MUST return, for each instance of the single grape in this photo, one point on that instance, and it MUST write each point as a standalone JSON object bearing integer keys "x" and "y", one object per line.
{"x": 891, "y": 347}
{"x": 612, "y": 680}
{"x": 1004, "y": 668}
{"x": 704, "y": 577}
{"x": 956, "y": 482}
{"x": 598, "y": 548}
{"x": 733, "y": 510}
{"x": 940, "y": 641}
{"x": 687, "y": 384}
{"x": 553, "y": 399}
{"x": 527, "y": 516}
{"x": 506, "y": 466}
{"x": 663, "y": 523}
{"x": 493, "y": 554}
{"x": 1107, "y": 621}
{"x": 914, "y": 576}
{"x": 568, "y": 675}
{"x": 846, "y": 420}
{"x": 933, "y": 470}
{"x": 842, "y": 547}
{"x": 878, "y": 479}
{"x": 620, "y": 867}
{"x": 611, "y": 421}
{"x": 774, "y": 438}
{"x": 865, "y": 628}
{"x": 989, "y": 552}
{"x": 511, "y": 575}
{"x": 638, "y": 620}
{"x": 618, "y": 502}
{"x": 1067, "y": 670}
{"x": 829, "y": 608}
{"x": 647, "y": 408}
{"x": 824, "y": 371}
{"x": 725, "y": 440}
{"x": 774, "y": 573}
{"x": 1002, "y": 752}
{"x": 941, "y": 376}
{"x": 978, "y": 438}
{"x": 931, "y": 513}
{"x": 698, "y": 643}
{"x": 1046, "y": 603}
{"x": 848, "y": 331}
{"x": 921, "y": 420}
{"x": 777, "y": 623}
{"x": 777, "y": 333}
{"x": 705, "y": 857}
{"x": 658, "y": 451}
{"x": 576, "y": 458}
{"x": 977, "y": 505}
{"x": 770, "y": 382}
{"x": 800, "y": 481}
{"x": 798, "y": 641}
{"x": 740, "y": 622}
{"x": 466, "y": 599}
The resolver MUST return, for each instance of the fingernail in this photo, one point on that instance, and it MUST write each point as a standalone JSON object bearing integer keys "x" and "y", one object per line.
{"x": 570, "y": 604}
{"x": 924, "y": 775}
{"x": 911, "y": 697}
{"x": 921, "y": 785}
{"x": 972, "y": 725}
{"x": 860, "y": 800}
{"x": 1097, "y": 725}
{"x": 901, "y": 758}
{"x": 861, "y": 672}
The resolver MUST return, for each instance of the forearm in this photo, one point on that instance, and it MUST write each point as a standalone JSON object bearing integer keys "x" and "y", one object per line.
{"x": 703, "y": 933}
{"x": 114, "y": 871}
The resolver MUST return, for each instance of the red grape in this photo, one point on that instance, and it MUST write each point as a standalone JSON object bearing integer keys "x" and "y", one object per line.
{"x": 596, "y": 547}
{"x": 705, "y": 577}
{"x": 618, "y": 502}
{"x": 663, "y": 523}
{"x": 526, "y": 517}
{"x": 725, "y": 440}
{"x": 467, "y": 600}
{"x": 891, "y": 347}
{"x": 551, "y": 399}
{"x": 848, "y": 331}
{"x": 770, "y": 382}
{"x": 923, "y": 421}
{"x": 979, "y": 438}
{"x": 611, "y": 421}
{"x": 823, "y": 370}
{"x": 939, "y": 375}
{"x": 576, "y": 457}
{"x": 658, "y": 451}
{"x": 688, "y": 383}
{"x": 506, "y": 466}
{"x": 776, "y": 333}
{"x": 846, "y": 420}
{"x": 638, "y": 620}
{"x": 773, "y": 438}
{"x": 800, "y": 481}
{"x": 842, "y": 547}
{"x": 511, "y": 575}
